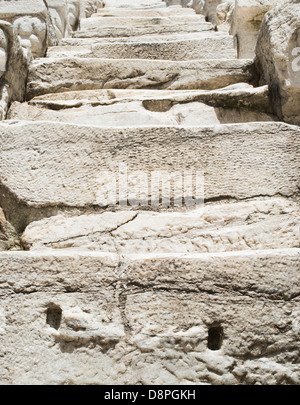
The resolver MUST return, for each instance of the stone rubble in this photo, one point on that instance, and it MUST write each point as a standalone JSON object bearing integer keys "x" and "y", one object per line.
{"x": 149, "y": 192}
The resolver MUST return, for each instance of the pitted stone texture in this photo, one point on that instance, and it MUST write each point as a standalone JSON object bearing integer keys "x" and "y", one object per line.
{"x": 137, "y": 4}
{"x": 232, "y": 104}
{"x": 278, "y": 60}
{"x": 207, "y": 46}
{"x": 266, "y": 224}
{"x": 64, "y": 74}
{"x": 137, "y": 26}
{"x": 148, "y": 320}
{"x": 147, "y": 12}
{"x": 255, "y": 159}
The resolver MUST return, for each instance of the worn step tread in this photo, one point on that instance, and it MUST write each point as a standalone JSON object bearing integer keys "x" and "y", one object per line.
{"x": 141, "y": 316}
{"x": 52, "y": 75}
{"x": 232, "y": 104}
{"x": 68, "y": 166}
{"x": 108, "y": 12}
{"x": 272, "y": 272}
{"x": 257, "y": 224}
{"x": 207, "y": 46}
{"x": 136, "y": 26}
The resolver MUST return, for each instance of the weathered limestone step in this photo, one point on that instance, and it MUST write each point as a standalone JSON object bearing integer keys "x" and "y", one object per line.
{"x": 136, "y": 4}
{"x": 232, "y": 104}
{"x": 251, "y": 225}
{"x": 146, "y": 12}
{"x": 137, "y": 26}
{"x": 75, "y": 166}
{"x": 136, "y": 39}
{"x": 94, "y": 318}
{"x": 51, "y": 75}
{"x": 209, "y": 45}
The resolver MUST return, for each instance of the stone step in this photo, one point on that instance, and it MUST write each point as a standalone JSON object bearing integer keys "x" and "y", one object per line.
{"x": 67, "y": 167}
{"x": 251, "y": 225}
{"x": 137, "y": 26}
{"x": 136, "y": 4}
{"x": 146, "y": 12}
{"x": 51, "y": 75}
{"x": 87, "y": 42}
{"x": 233, "y": 104}
{"x": 140, "y": 315}
{"x": 209, "y": 45}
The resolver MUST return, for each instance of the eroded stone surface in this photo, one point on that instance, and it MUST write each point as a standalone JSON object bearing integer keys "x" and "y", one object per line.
{"x": 236, "y": 103}
{"x": 9, "y": 240}
{"x": 14, "y": 66}
{"x": 54, "y": 173}
{"x": 65, "y": 74}
{"x": 278, "y": 61}
{"x": 136, "y": 26}
{"x": 267, "y": 224}
{"x": 134, "y": 331}
{"x": 207, "y": 46}
{"x": 59, "y": 15}
{"x": 31, "y": 23}
{"x": 224, "y": 15}
{"x": 143, "y": 285}
{"x": 246, "y": 22}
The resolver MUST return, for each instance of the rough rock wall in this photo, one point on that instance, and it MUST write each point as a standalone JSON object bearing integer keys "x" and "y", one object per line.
{"x": 246, "y": 23}
{"x": 278, "y": 61}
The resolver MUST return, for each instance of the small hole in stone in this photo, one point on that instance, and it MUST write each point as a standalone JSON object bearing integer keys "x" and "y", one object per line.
{"x": 53, "y": 316}
{"x": 215, "y": 337}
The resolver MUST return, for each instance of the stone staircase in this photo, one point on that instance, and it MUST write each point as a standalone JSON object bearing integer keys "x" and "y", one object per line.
{"x": 157, "y": 197}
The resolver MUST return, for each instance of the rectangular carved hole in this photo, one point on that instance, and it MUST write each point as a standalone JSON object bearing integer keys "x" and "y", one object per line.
{"x": 215, "y": 337}
{"x": 53, "y": 316}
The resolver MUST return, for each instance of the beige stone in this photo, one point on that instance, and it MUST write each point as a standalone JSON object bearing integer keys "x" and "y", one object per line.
{"x": 208, "y": 8}
{"x": 30, "y": 21}
{"x": 54, "y": 174}
{"x": 14, "y": 67}
{"x": 149, "y": 320}
{"x": 209, "y": 45}
{"x": 136, "y": 26}
{"x": 224, "y": 15}
{"x": 236, "y": 103}
{"x": 9, "y": 240}
{"x": 278, "y": 61}
{"x": 151, "y": 193}
{"x": 150, "y": 12}
{"x": 246, "y": 22}
{"x": 75, "y": 11}
{"x": 138, "y": 4}
{"x": 65, "y": 74}
{"x": 253, "y": 225}
{"x": 59, "y": 15}
{"x": 91, "y": 7}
